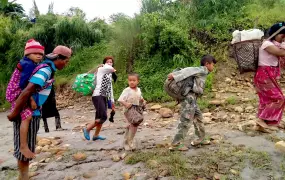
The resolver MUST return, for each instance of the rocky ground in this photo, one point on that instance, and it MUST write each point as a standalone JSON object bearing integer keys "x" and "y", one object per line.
{"x": 236, "y": 150}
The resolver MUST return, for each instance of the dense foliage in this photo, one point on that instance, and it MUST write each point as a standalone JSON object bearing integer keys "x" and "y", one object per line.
{"x": 164, "y": 35}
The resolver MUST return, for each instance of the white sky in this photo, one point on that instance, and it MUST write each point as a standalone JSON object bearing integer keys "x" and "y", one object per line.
{"x": 92, "y": 8}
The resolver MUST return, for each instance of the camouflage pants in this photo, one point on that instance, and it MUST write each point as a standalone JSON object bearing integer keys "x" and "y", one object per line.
{"x": 190, "y": 113}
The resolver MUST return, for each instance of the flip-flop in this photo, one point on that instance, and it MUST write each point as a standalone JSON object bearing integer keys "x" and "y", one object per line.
{"x": 261, "y": 123}
{"x": 61, "y": 129}
{"x": 86, "y": 134}
{"x": 180, "y": 147}
{"x": 203, "y": 142}
{"x": 261, "y": 129}
{"x": 98, "y": 138}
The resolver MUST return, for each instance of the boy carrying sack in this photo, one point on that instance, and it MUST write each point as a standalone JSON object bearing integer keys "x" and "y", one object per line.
{"x": 133, "y": 102}
{"x": 186, "y": 85}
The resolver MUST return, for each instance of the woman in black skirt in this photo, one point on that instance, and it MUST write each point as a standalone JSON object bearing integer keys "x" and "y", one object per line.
{"x": 49, "y": 110}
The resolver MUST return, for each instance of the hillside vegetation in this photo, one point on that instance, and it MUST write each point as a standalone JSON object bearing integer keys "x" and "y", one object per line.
{"x": 163, "y": 36}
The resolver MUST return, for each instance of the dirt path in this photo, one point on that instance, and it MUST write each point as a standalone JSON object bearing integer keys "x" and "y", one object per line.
{"x": 236, "y": 151}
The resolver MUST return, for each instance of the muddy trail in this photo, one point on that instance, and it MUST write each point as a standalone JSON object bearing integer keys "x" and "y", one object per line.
{"x": 236, "y": 150}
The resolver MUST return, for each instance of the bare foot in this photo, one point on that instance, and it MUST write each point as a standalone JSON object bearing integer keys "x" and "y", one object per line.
{"x": 27, "y": 153}
{"x": 261, "y": 123}
{"x": 261, "y": 129}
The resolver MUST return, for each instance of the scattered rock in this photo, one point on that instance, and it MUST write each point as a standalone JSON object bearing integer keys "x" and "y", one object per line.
{"x": 69, "y": 177}
{"x": 38, "y": 149}
{"x": 56, "y": 142}
{"x": 217, "y": 176}
{"x": 66, "y": 145}
{"x": 280, "y": 146}
{"x": 33, "y": 174}
{"x": 166, "y": 112}
{"x": 164, "y": 173}
{"x": 239, "y": 109}
{"x": 58, "y": 159}
{"x": 228, "y": 80}
{"x": 222, "y": 115}
{"x": 45, "y": 148}
{"x": 127, "y": 176}
{"x": 121, "y": 132}
{"x": 47, "y": 160}
{"x": 216, "y": 137}
{"x": 207, "y": 114}
{"x": 43, "y": 160}
{"x": 33, "y": 166}
{"x": 207, "y": 120}
{"x": 250, "y": 85}
{"x": 252, "y": 134}
{"x": 79, "y": 156}
{"x": 225, "y": 117}
{"x": 251, "y": 117}
{"x": 249, "y": 108}
{"x": 217, "y": 102}
{"x": 215, "y": 141}
{"x": 245, "y": 125}
{"x": 39, "y": 138}
{"x": 116, "y": 158}
{"x": 155, "y": 107}
{"x": 44, "y": 142}
{"x": 54, "y": 138}
{"x": 153, "y": 163}
{"x": 89, "y": 175}
{"x": 56, "y": 150}
{"x": 234, "y": 172}
{"x": 123, "y": 156}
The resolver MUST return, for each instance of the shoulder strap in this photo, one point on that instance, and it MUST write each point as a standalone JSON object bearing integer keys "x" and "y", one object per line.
{"x": 52, "y": 71}
{"x": 274, "y": 34}
{"x": 42, "y": 66}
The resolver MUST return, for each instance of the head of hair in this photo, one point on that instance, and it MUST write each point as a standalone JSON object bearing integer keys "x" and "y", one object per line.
{"x": 108, "y": 57}
{"x": 275, "y": 28}
{"x": 207, "y": 59}
{"x": 114, "y": 75}
{"x": 134, "y": 74}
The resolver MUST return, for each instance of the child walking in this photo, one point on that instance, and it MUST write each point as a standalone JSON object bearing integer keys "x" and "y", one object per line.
{"x": 190, "y": 112}
{"x": 33, "y": 55}
{"x": 133, "y": 102}
{"x": 102, "y": 93}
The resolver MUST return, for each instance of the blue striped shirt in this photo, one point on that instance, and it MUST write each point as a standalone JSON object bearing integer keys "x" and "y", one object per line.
{"x": 41, "y": 78}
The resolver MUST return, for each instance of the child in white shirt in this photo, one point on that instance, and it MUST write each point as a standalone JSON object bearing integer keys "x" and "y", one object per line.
{"x": 133, "y": 102}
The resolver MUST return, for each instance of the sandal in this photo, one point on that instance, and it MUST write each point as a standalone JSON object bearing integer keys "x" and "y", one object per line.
{"x": 261, "y": 123}
{"x": 98, "y": 138}
{"x": 203, "y": 142}
{"x": 180, "y": 147}
{"x": 261, "y": 129}
{"x": 60, "y": 129}
{"x": 86, "y": 134}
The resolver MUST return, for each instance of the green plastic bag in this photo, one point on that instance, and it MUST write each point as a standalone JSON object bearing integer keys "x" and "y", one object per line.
{"x": 84, "y": 84}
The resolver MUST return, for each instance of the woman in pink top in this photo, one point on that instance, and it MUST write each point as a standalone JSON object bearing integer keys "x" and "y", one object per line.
{"x": 271, "y": 98}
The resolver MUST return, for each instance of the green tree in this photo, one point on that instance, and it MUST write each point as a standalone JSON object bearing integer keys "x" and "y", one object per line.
{"x": 76, "y": 12}
{"x": 34, "y": 12}
{"x": 50, "y": 8}
{"x": 12, "y": 9}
